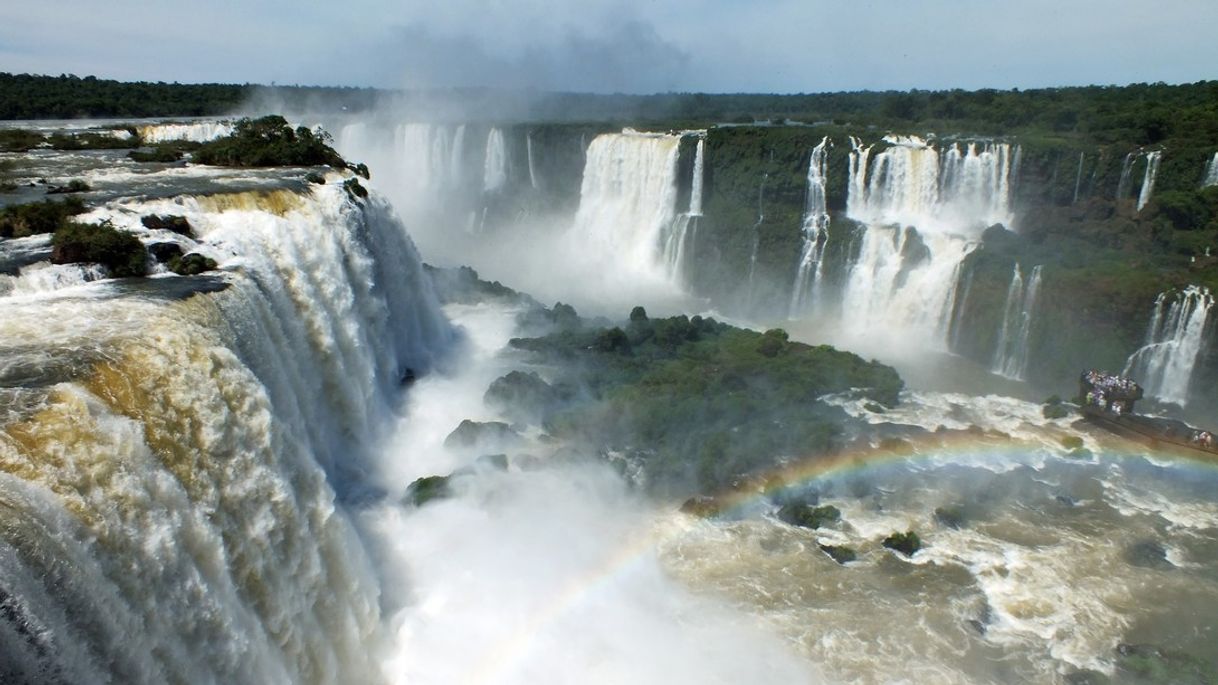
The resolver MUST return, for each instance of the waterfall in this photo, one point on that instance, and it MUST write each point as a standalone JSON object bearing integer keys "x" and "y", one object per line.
{"x": 815, "y": 233}
{"x": 684, "y": 229}
{"x": 197, "y": 132}
{"x": 494, "y": 174}
{"x": 1126, "y": 174}
{"x": 1078, "y": 178}
{"x": 171, "y": 467}
{"x": 628, "y": 199}
{"x": 922, "y": 209}
{"x": 528, "y": 142}
{"x": 695, "y": 191}
{"x": 456, "y": 165}
{"x": 1211, "y": 173}
{"x": 1148, "y": 180}
{"x": 1175, "y": 338}
{"x": 1011, "y": 354}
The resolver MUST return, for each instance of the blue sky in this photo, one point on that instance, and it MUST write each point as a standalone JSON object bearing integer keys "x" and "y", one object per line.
{"x": 622, "y": 46}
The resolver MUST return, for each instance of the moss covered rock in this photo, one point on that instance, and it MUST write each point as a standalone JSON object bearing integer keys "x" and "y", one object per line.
{"x": 906, "y": 543}
{"x": 807, "y": 516}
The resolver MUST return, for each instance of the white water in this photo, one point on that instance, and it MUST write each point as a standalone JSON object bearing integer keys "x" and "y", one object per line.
{"x": 1175, "y": 337}
{"x": 1148, "y": 180}
{"x": 684, "y": 230}
{"x": 628, "y": 201}
{"x": 1011, "y": 354}
{"x": 1211, "y": 172}
{"x": 495, "y": 175}
{"x": 528, "y": 142}
{"x": 903, "y": 282}
{"x": 171, "y": 509}
{"x": 198, "y": 132}
{"x": 43, "y": 277}
{"x": 815, "y": 233}
{"x": 1126, "y": 176}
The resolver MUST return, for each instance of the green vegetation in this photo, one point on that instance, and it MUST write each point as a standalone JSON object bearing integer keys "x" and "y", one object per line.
{"x": 906, "y": 543}
{"x": 74, "y": 186}
{"x": 19, "y": 221}
{"x": 808, "y": 516}
{"x": 164, "y": 153}
{"x": 190, "y": 264}
{"x": 90, "y": 141}
{"x": 699, "y": 403}
{"x": 19, "y": 140}
{"x": 119, "y": 251}
{"x": 270, "y": 141}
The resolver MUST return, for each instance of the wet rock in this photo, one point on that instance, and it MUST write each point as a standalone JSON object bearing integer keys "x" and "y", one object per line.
{"x": 522, "y": 396}
{"x": 191, "y": 264}
{"x": 1072, "y": 442}
{"x": 474, "y": 433}
{"x": 168, "y": 222}
{"x": 1147, "y": 554}
{"x": 840, "y": 553}
{"x": 701, "y": 506}
{"x": 1066, "y": 500}
{"x": 805, "y": 516}
{"x": 874, "y": 408}
{"x": 426, "y": 489}
{"x": 163, "y": 252}
{"x": 951, "y": 516}
{"x": 906, "y": 543}
{"x": 408, "y": 377}
{"x": 315, "y": 178}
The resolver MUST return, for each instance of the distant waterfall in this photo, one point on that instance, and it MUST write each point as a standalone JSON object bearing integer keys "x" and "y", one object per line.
{"x": 1011, "y": 355}
{"x": 922, "y": 209}
{"x": 1078, "y": 178}
{"x": 1211, "y": 172}
{"x": 684, "y": 229}
{"x": 1126, "y": 176}
{"x": 628, "y": 199}
{"x": 528, "y": 143}
{"x": 815, "y": 232}
{"x": 171, "y": 466}
{"x": 1148, "y": 180}
{"x": 1174, "y": 340}
{"x": 495, "y": 173}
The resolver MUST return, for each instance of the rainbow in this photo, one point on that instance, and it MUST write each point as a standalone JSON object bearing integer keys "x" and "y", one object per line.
{"x": 961, "y": 446}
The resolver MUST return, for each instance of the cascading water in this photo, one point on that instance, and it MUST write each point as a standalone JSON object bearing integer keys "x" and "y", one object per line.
{"x": 815, "y": 233}
{"x": 495, "y": 173}
{"x": 528, "y": 142}
{"x": 923, "y": 210}
{"x": 628, "y": 200}
{"x": 1078, "y": 178}
{"x": 684, "y": 230}
{"x": 199, "y": 132}
{"x": 1211, "y": 173}
{"x": 169, "y": 466}
{"x": 1126, "y": 176}
{"x": 1175, "y": 338}
{"x": 1011, "y": 355}
{"x": 1148, "y": 180}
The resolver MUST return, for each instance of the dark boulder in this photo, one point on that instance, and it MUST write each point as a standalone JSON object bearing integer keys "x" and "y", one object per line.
{"x": 1147, "y": 554}
{"x": 951, "y": 516}
{"x": 522, "y": 396}
{"x": 702, "y": 506}
{"x": 168, "y": 222}
{"x": 163, "y": 252}
{"x": 839, "y": 553}
{"x": 427, "y": 488}
{"x": 474, "y": 433}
